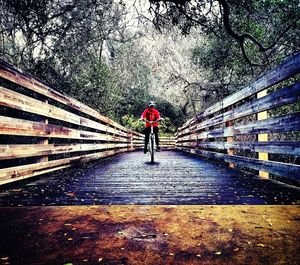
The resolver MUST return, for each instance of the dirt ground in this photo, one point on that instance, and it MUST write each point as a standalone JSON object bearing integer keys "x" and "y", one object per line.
{"x": 156, "y": 235}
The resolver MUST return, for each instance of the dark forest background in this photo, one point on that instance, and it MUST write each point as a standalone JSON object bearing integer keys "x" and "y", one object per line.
{"x": 116, "y": 56}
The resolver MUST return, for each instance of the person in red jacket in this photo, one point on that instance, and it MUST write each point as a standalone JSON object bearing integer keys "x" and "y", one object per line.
{"x": 151, "y": 114}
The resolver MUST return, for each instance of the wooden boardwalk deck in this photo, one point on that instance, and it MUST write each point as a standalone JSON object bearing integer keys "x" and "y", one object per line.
{"x": 177, "y": 178}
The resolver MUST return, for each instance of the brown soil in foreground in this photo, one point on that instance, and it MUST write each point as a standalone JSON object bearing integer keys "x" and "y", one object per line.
{"x": 150, "y": 235}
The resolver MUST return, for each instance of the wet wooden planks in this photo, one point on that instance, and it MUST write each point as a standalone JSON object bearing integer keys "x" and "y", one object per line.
{"x": 176, "y": 178}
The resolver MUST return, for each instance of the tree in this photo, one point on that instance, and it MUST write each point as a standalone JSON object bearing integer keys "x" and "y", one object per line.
{"x": 259, "y": 36}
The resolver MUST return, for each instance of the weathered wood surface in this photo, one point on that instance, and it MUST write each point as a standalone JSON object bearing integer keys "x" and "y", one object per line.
{"x": 129, "y": 178}
{"x": 13, "y": 126}
{"x": 274, "y": 147}
{"x": 8, "y": 72}
{"x": 12, "y": 174}
{"x": 217, "y": 120}
{"x": 21, "y": 102}
{"x": 284, "y": 123}
{"x": 102, "y": 136}
{"x": 28, "y": 150}
{"x": 287, "y": 69}
{"x": 281, "y": 169}
{"x": 274, "y": 100}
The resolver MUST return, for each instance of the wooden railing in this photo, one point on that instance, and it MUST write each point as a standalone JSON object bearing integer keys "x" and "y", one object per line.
{"x": 223, "y": 130}
{"x": 167, "y": 142}
{"x": 43, "y": 130}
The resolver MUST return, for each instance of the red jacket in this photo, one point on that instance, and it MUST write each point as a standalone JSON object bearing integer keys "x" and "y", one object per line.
{"x": 151, "y": 114}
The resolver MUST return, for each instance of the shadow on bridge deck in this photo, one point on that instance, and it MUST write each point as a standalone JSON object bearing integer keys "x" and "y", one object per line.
{"x": 176, "y": 178}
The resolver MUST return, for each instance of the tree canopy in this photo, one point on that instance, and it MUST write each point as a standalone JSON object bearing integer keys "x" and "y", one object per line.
{"x": 116, "y": 56}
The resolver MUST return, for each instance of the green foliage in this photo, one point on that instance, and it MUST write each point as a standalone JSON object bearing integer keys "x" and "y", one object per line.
{"x": 167, "y": 127}
{"x": 133, "y": 123}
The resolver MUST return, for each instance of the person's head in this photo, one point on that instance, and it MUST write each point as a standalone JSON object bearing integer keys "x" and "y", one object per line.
{"x": 151, "y": 104}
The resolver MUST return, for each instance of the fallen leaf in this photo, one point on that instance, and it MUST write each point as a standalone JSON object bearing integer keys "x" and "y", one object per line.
{"x": 230, "y": 230}
{"x": 70, "y": 238}
{"x": 260, "y": 245}
{"x": 4, "y": 258}
{"x": 198, "y": 256}
{"x": 171, "y": 254}
{"x": 218, "y": 253}
{"x": 236, "y": 249}
{"x": 68, "y": 224}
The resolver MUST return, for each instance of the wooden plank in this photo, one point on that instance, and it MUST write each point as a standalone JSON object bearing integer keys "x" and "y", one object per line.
{"x": 285, "y": 123}
{"x": 13, "y": 126}
{"x": 30, "y": 150}
{"x": 277, "y": 168}
{"x": 18, "y": 77}
{"x": 18, "y": 101}
{"x": 287, "y": 69}
{"x": 12, "y": 174}
{"x": 277, "y": 99}
{"x": 275, "y": 147}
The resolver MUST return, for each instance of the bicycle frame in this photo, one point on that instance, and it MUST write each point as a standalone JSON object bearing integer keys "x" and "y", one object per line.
{"x": 151, "y": 141}
{"x": 151, "y": 144}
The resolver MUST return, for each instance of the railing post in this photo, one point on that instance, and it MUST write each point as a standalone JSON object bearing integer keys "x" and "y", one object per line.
{"x": 131, "y": 148}
{"x": 230, "y": 151}
{"x": 44, "y": 141}
{"x": 262, "y": 137}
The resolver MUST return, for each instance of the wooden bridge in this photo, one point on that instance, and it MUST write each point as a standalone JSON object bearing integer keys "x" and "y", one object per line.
{"x": 233, "y": 153}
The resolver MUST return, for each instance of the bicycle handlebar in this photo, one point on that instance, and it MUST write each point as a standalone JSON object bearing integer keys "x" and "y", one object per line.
{"x": 151, "y": 121}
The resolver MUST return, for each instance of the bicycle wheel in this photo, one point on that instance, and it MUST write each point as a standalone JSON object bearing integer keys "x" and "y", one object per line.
{"x": 152, "y": 148}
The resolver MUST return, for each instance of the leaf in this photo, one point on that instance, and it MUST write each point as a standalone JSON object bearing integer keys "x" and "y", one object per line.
{"x": 260, "y": 245}
{"x": 236, "y": 249}
{"x": 218, "y": 253}
{"x": 4, "y": 258}
{"x": 70, "y": 238}
{"x": 68, "y": 263}
{"x": 198, "y": 256}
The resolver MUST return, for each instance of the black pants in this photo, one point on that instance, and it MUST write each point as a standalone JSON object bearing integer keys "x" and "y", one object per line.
{"x": 147, "y": 134}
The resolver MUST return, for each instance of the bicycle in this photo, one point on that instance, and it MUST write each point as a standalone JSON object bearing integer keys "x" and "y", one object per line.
{"x": 150, "y": 146}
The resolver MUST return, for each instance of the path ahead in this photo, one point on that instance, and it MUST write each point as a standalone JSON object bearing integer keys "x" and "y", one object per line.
{"x": 177, "y": 178}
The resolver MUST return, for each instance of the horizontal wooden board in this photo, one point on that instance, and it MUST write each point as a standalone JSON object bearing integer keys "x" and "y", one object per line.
{"x": 12, "y": 174}
{"x": 277, "y": 168}
{"x": 287, "y": 69}
{"x": 21, "y": 102}
{"x": 13, "y": 126}
{"x": 29, "y": 150}
{"x": 277, "y": 99}
{"x": 285, "y": 123}
{"x": 274, "y": 147}
{"x": 18, "y": 77}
